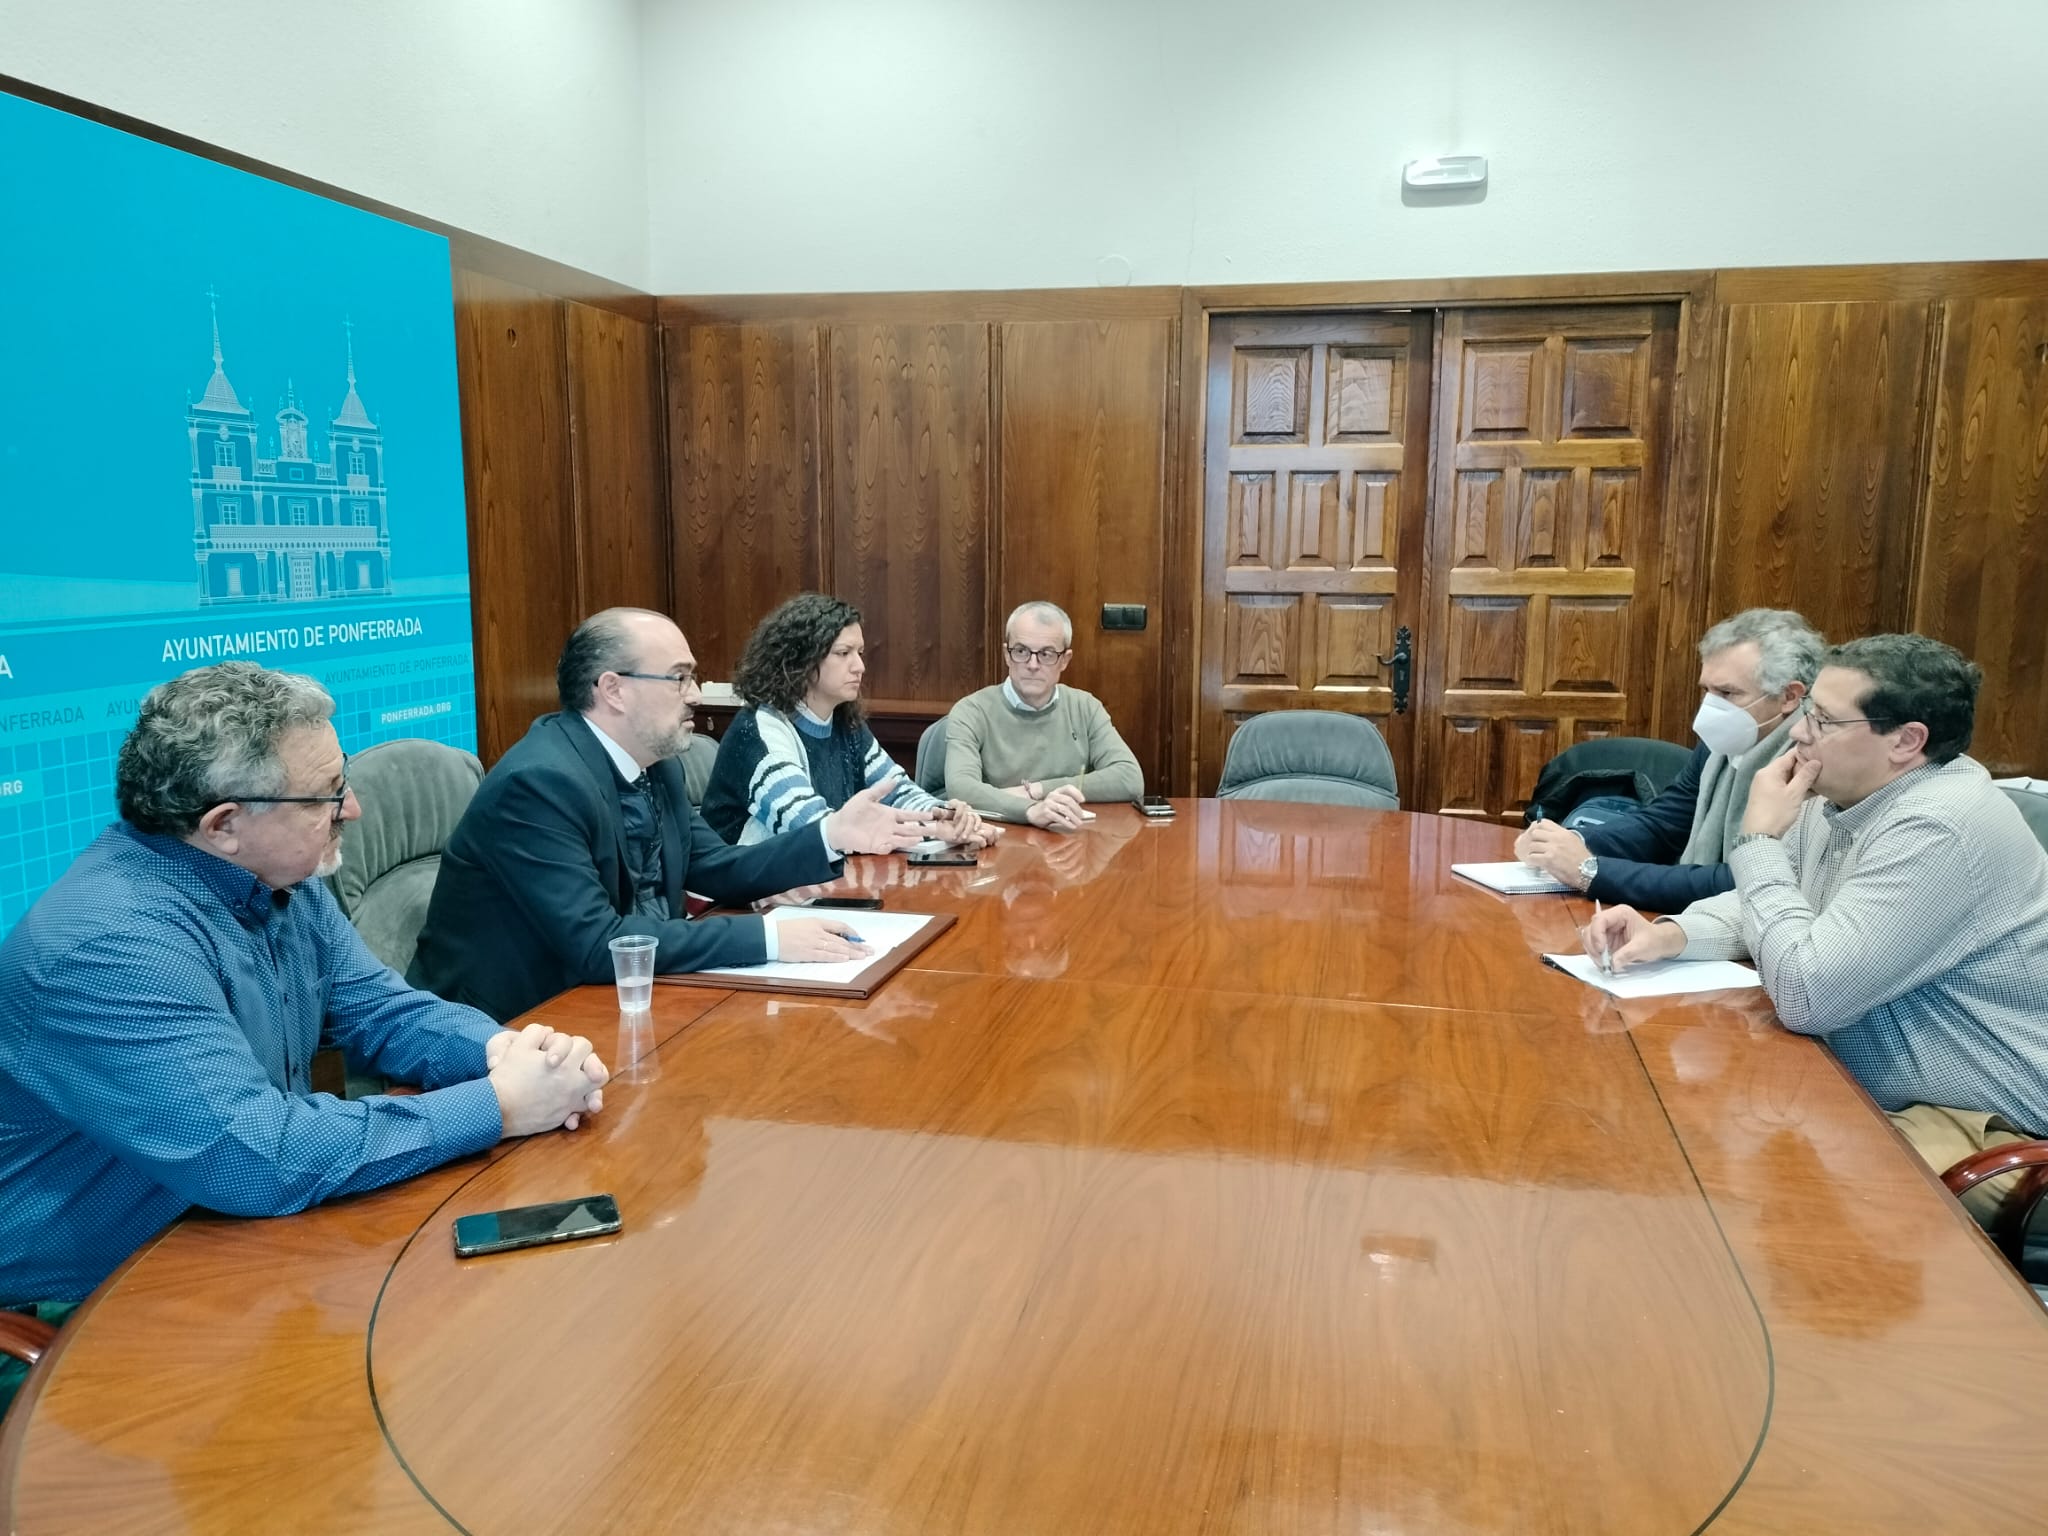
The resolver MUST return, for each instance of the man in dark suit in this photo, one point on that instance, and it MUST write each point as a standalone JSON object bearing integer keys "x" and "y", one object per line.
{"x": 1755, "y": 668}
{"x": 583, "y": 832}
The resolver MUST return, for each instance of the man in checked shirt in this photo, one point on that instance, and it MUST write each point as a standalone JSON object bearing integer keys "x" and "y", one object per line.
{"x": 1895, "y": 902}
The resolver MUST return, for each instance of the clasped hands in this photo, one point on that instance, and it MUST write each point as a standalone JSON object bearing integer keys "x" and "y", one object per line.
{"x": 1057, "y": 809}
{"x": 543, "y": 1078}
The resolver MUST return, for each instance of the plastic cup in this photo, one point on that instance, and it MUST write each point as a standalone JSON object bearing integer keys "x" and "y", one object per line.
{"x": 633, "y": 968}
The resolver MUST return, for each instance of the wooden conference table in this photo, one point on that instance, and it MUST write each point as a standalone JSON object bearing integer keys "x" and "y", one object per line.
{"x": 1240, "y": 1174}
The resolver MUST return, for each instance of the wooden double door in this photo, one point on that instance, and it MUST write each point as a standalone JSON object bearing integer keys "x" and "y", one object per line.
{"x": 1464, "y": 501}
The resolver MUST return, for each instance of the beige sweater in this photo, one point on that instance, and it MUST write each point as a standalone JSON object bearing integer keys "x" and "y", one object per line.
{"x": 991, "y": 745}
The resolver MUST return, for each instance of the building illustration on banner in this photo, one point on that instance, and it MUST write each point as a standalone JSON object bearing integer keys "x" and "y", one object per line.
{"x": 289, "y": 528}
{"x": 129, "y": 554}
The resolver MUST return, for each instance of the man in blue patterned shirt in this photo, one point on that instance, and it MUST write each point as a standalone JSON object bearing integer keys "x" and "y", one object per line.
{"x": 160, "y": 1005}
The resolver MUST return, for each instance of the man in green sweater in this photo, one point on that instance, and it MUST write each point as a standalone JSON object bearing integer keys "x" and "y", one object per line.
{"x": 1029, "y": 749}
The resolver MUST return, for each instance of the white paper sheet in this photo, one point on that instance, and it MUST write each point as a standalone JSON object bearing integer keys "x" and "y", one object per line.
{"x": 1512, "y": 878}
{"x": 1660, "y": 978}
{"x": 880, "y": 931}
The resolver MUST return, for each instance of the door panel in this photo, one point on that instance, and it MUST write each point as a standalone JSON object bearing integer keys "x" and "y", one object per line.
{"x": 1314, "y": 509}
{"x": 1549, "y": 452}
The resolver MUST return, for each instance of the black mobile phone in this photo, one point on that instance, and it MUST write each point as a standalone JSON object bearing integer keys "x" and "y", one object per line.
{"x": 1154, "y": 805}
{"x": 850, "y": 903}
{"x": 526, "y": 1226}
{"x": 945, "y": 856}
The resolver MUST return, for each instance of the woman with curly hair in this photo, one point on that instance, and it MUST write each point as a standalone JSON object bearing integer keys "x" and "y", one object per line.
{"x": 802, "y": 750}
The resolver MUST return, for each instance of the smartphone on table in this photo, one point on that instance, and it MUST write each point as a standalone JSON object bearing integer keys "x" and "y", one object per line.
{"x": 944, "y": 854}
{"x": 1155, "y": 806}
{"x": 528, "y": 1226}
{"x": 847, "y": 903}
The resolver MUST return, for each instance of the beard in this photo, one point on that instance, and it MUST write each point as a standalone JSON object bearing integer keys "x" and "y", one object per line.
{"x": 330, "y": 863}
{"x": 671, "y": 743}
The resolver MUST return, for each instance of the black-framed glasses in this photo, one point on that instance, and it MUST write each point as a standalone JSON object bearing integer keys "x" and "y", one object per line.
{"x": 339, "y": 799}
{"x": 1045, "y": 655}
{"x": 682, "y": 682}
{"x": 1822, "y": 724}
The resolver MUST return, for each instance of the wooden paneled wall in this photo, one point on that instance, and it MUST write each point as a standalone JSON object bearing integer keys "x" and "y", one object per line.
{"x": 744, "y": 439}
{"x": 1820, "y": 440}
{"x": 1983, "y": 574}
{"x": 1883, "y": 464}
{"x": 1086, "y": 453}
{"x": 935, "y": 460}
{"x": 1862, "y": 444}
{"x": 907, "y": 491}
{"x": 563, "y": 458}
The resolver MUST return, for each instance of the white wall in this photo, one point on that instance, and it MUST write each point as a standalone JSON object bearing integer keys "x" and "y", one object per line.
{"x": 701, "y": 146}
{"x": 821, "y": 144}
{"x": 516, "y": 119}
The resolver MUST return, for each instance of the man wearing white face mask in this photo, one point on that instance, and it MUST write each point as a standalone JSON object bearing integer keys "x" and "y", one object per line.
{"x": 1755, "y": 668}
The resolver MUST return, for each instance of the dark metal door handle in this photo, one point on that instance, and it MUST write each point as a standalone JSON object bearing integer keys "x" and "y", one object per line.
{"x": 1403, "y": 663}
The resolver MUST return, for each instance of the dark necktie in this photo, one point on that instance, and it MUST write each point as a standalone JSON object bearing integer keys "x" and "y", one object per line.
{"x": 642, "y": 813}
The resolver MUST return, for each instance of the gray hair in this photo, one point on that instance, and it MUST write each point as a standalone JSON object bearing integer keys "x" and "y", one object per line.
{"x": 599, "y": 645}
{"x": 210, "y": 735}
{"x": 1788, "y": 648}
{"x": 1915, "y": 678}
{"x": 1045, "y": 613}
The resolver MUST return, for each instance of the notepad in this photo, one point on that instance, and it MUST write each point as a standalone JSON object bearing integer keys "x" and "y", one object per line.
{"x": 882, "y": 932}
{"x": 1512, "y": 879}
{"x": 1660, "y": 978}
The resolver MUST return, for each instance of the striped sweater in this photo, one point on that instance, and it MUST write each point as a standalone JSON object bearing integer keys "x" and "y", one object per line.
{"x": 776, "y": 772}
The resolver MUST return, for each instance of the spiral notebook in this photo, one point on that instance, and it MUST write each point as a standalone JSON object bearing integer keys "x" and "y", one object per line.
{"x": 1511, "y": 879}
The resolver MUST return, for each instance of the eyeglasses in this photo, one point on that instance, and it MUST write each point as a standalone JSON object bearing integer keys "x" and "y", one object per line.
{"x": 338, "y": 799}
{"x": 682, "y": 682}
{"x": 1822, "y": 724}
{"x": 1045, "y": 656}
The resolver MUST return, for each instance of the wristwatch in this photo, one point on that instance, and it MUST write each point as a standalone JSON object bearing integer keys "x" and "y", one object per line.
{"x": 1752, "y": 837}
{"x": 1589, "y": 867}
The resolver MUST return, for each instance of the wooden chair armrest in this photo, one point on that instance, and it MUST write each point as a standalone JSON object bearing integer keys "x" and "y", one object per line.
{"x": 1992, "y": 1161}
{"x": 2008, "y": 1229}
{"x": 24, "y": 1337}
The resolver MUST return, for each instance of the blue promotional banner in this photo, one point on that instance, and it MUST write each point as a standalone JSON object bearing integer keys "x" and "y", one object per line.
{"x": 229, "y": 430}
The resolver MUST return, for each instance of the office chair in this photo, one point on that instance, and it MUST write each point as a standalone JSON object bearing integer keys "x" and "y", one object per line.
{"x": 413, "y": 792}
{"x": 2013, "y": 1230}
{"x": 1631, "y": 768}
{"x": 700, "y": 754}
{"x": 24, "y": 1338}
{"x": 931, "y": 758}
{"x": 2034, "y": 809}
{"x": 1315, "y": 756}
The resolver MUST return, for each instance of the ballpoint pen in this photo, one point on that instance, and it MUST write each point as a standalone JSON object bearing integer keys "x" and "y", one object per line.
{"x": 1602, "y": 956}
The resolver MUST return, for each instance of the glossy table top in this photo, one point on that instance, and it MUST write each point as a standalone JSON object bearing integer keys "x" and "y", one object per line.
{"x": 1244, "y": 1173}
